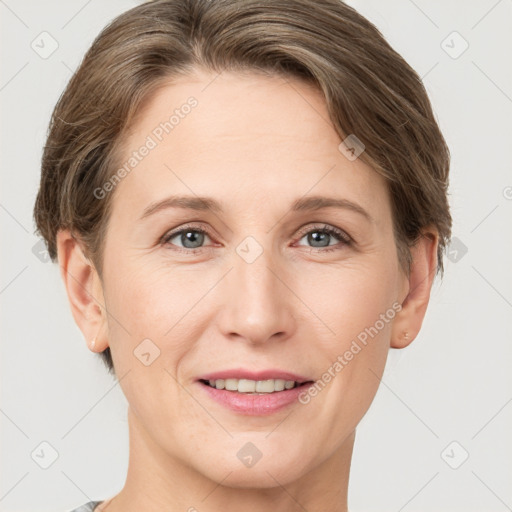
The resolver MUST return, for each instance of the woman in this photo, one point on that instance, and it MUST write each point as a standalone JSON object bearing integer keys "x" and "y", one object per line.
{"x": 248, "y": 203}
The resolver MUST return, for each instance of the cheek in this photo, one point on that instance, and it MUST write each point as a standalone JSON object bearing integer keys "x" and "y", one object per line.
{"x": 149, "y": 300}
{"x": 150, "y": 335}
{"x": 145, "y": 308}
{"x": 355, "y": 306}
{"x": 348, "y": 299}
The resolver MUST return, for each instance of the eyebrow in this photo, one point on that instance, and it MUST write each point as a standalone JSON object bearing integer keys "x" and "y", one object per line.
{"x": 310, "y": 203}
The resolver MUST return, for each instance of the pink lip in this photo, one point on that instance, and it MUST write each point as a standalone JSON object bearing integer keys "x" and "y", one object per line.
{"x": 254, "y": 405}
{"x": 241, "y": 373}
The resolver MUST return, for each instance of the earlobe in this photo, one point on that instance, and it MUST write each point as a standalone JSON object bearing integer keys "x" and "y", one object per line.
{"x": 408, "y": 321}
{"x": 84, "y": 290}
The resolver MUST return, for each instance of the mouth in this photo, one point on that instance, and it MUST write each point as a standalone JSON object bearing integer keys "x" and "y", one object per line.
{"x": 254, "y": 397}
{"x": 254, "y": 392}
{"x": 254, "y": 387}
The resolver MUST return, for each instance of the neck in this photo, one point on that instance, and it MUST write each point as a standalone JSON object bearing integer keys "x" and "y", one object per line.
{"x": 156, "y": 480}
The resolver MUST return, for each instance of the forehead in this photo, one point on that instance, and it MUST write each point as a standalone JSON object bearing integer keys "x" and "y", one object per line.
{"x": 202, "y": 109}
{"x": 240, "y": 136}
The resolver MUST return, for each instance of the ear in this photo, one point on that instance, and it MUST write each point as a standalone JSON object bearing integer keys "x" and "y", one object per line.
{"x": 416, "y": 289}
{"x": 84, "y": 290}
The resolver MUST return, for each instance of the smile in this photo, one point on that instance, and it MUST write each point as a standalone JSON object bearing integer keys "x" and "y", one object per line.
{"x": 254, "y": 403}
{"x": 253, "y": 386}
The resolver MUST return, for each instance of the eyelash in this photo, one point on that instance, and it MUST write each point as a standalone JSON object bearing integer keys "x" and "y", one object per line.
{"x": 345, "y": 239}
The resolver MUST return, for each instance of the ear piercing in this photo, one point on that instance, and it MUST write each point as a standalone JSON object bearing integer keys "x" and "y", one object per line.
{"x": 406, "y": 336}
{"x": 93, "y": 342}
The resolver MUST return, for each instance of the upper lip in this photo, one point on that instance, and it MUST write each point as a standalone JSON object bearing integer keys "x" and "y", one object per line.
{"x": 241, "y": 373}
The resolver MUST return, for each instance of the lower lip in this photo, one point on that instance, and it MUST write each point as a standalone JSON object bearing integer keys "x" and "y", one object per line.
{"x": 255, "y": 405}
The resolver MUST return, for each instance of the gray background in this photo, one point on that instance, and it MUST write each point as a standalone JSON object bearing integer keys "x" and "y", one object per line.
{"x": 453, "y": 383}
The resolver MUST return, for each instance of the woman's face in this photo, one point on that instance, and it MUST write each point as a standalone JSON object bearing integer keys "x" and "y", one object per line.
{"x": 266, "y": 288}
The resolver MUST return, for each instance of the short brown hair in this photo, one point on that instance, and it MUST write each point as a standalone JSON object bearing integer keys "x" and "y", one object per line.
{"x": 370, "y": 91}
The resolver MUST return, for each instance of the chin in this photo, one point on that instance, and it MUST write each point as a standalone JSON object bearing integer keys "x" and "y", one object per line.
{"x": 271, "y": 470}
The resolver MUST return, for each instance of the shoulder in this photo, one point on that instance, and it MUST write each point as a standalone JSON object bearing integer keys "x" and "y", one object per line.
{"x": 86, "y": 507}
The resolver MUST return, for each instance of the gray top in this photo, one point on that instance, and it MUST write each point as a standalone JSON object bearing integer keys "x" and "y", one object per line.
{"x": 87, "y": 507}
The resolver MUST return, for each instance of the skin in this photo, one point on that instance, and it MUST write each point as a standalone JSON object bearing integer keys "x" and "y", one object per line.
{"x": 255, "y": 144}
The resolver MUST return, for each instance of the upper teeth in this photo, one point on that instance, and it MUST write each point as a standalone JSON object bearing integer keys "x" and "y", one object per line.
{"x": 253, "y": 386}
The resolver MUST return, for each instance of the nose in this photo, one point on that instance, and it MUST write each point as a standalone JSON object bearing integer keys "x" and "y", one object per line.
{"x": 258, "y": 302}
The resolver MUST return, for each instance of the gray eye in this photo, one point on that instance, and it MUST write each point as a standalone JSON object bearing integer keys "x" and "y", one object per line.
{"x": 188, "y": 238}
{"x": 318, "y": 238}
